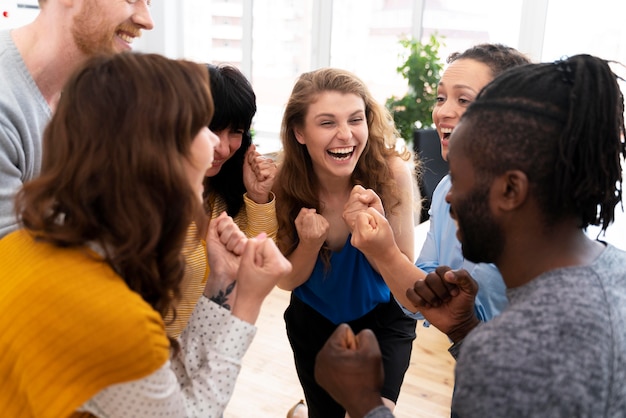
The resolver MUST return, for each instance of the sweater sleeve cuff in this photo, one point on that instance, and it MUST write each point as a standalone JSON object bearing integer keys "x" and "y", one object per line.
{"x": 455, "y": 349}
{"x": 261, "y": 217}
{"x": 379, "y": 412}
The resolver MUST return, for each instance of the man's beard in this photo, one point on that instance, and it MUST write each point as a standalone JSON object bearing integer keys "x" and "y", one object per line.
{"x": 482, "y": 239}
{"x": 91, "y": 35}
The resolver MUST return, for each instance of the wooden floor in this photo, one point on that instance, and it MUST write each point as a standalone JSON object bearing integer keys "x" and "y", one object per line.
{"x": 268, "y": 386}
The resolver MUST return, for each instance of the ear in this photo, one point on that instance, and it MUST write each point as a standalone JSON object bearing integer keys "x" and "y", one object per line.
{"x": 510, "y": 190}
{"x": 299, "y": 136}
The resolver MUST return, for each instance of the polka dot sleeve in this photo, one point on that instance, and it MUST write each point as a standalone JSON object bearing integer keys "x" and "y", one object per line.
{"x": 199, "y": 381}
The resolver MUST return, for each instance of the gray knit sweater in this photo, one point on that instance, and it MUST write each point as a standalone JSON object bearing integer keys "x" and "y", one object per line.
{"x": 558, "y": 350}
{"x": 23, "y": 117}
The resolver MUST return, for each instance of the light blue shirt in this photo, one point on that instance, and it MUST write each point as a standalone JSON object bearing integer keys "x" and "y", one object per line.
{"x": 442, "y": 248}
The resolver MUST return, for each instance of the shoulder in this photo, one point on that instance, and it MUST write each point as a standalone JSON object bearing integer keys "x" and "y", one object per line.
{"x": 90, "y": 305}
{"x": 77, "y": 319}
{"x": 403, "y": 171}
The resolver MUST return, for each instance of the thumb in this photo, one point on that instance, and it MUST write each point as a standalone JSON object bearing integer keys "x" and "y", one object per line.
{"x": 367, "y": 340}
{"x": 260, "y": 253}
{"x": 463, "y": 281}
{"x": 251, "y": 255}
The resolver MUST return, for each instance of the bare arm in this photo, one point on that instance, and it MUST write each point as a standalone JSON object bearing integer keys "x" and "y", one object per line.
{"x": 402, "y": 219}
{"x": 375, "y": 238}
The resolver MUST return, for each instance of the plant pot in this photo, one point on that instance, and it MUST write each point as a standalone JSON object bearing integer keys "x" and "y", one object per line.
{"x": 426, "y": 145}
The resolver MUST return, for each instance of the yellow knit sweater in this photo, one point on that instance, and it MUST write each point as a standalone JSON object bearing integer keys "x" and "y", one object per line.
{"x": 70, "y": 327}
{"x": 252, "y": 219}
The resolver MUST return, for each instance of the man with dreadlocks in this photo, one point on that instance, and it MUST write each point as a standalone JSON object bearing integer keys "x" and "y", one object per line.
{"x": 534, "y": 161}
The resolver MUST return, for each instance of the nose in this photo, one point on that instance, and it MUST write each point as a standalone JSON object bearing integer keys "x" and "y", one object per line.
{"x": 142, "y": 16}
{"x": 344, "y": 132}
{"x": 446, "y": 109}
{"x": 223, "y": 143}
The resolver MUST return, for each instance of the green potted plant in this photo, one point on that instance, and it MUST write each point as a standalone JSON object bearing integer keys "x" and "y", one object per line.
{"x": 421, "y": 68}
{"x": 412, "y": 113}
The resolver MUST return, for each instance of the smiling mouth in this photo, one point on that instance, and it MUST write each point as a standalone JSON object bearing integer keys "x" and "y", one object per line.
{"x": 445, "y": 133}
{"x": 127, "y": 35}
{"x": 341, "y": 153}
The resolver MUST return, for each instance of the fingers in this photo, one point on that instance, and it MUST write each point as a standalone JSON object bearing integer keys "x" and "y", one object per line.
{"x": 343, "y": 337}
{"x": 433, "y": 290}
{"x": 365, "y": 222}
{"x": 368, "y": 197}
{"x": 312, "y": 227}
{"x": 212, "y": 230}
{"x": 267, "y": 255}
{"x": 367, "y": 341}
{"x": 440, "y": 286}
{"x": 262, "y": 266}
{"x": 371, "y": 231}
{"x": 228, "y": 233}
{"x": 264, "y": 168}
{"x": 462, "y": 280}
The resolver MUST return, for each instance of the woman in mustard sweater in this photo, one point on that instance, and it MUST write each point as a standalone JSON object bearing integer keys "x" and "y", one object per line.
{"x": 98, "y": 261}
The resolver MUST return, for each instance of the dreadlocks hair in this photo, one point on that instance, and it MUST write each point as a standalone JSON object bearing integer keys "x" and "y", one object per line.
{"x": 562, "y": 124}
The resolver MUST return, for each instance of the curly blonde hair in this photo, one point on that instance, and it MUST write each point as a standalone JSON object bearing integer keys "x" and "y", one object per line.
{"x": 297, "y": 185}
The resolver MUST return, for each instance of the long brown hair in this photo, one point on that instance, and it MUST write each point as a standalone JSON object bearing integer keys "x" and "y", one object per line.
{"x": 297, "y": 185}
{"x": 113, "y": 172}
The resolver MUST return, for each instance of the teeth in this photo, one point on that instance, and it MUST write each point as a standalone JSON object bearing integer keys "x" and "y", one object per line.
{"x": 126, "y": 38}
{"x": 446, "y": 130}
{"x": 341, "y": 153}
{"x": 345, "y": 150}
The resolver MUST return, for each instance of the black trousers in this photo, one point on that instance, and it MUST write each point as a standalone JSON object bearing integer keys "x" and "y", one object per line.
{"x": 308, "y": 331}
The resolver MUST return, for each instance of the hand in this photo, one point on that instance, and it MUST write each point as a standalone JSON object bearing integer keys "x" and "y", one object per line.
{"x": 312, "y": 228}
{"x": 372, "y": 234}
{"x": 262, "y": 266}
{"x": 225, "y": 245}
{"x": 446, "y": 299}
{"x": 350, "y": 369}
{"x": 360, "y": 199}
{"x": 259, "y": 173}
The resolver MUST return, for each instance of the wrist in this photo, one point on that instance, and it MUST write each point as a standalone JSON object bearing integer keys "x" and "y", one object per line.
{"x": 247, "y": 309}
{"x": 221, "y": 290}
{"x": 260, "y": 198}
{"x": 459, "y": 332}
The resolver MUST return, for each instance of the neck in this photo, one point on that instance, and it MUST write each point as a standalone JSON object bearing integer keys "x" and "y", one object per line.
{"x": 50, "y": 58}
{"x": 531, "y": 255}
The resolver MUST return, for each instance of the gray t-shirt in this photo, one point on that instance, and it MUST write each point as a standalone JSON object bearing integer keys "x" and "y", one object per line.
{"x": 24, "y": 114}
{"x": 558, "y": 350}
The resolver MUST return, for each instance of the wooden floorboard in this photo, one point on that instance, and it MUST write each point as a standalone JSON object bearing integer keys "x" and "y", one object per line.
{"x": 268, "y": 386}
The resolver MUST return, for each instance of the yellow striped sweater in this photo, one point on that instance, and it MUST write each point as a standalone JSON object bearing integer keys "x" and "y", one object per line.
{"x": 252, "y": 219}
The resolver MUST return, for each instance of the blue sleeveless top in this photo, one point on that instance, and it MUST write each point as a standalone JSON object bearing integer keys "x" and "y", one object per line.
{"x": 348, "y": 289}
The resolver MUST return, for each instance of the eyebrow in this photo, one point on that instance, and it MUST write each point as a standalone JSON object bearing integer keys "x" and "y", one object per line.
{"x": 460, "y": 86}
{"x": 332, "y": 115}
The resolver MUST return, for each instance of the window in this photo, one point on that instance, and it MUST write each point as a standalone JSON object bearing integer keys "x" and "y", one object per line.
{"x": 274, "y": 42}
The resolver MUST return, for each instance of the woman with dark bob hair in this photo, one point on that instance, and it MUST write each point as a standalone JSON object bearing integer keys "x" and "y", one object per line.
{"x": 239, "y": 183}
